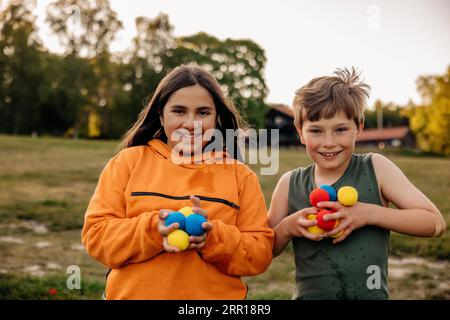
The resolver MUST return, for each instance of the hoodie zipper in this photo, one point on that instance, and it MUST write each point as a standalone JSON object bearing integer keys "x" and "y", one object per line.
{"x": 156, "y": 194}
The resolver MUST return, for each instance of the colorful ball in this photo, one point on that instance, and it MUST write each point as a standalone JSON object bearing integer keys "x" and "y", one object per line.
{"x": 318, "y": 195}
{"x": 175, "y": 217}
{"x": 179, "y": 239}
{"x": 340, "y": 233}
{"x": 325, "y": 225}
{"x": 194, "y": 224}
{"x": 347, "y": 195}
{"x": 187, "y": 211}
{"x": 331, "y": 191}
{"x": 314, "y": 229}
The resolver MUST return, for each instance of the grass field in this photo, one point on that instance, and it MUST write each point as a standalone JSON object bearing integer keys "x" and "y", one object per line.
{"x": 46, "y": 184}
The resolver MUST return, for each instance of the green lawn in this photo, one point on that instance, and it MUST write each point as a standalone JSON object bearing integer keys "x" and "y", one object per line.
{"x": 46, "y": 184}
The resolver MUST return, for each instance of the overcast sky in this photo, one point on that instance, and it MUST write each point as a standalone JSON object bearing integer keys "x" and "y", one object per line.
{"x": 391, "y": 42}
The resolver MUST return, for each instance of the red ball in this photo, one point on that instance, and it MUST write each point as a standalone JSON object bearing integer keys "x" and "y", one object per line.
{"x": 318, "y": 195}
{"x": 325, "y": 225}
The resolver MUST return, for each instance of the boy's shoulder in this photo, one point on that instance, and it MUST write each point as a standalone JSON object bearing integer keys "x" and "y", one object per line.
{"x": 286, "y": 177}
{"x": 373, "y": 157}
{"x": 376, "y": 158}
{"x": 382, "y": 166}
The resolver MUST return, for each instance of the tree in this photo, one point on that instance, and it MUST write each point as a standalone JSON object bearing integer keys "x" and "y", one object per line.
{"x": 237, "y": 64}
{"x": 392, "y": 115}
{"x": 138, "y": 72}
{"x": 430, "y": 121}
{"x": 21, "y": 54}
{"x": 154, "y": 39}
{"x": 86, "y": 28}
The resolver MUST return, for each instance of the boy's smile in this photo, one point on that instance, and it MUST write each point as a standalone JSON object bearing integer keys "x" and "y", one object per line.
{"x": 330, "y": 142}
{"x": 330, "y": 155}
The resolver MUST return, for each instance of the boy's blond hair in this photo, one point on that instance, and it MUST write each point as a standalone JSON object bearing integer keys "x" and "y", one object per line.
{"x": 323, "y": 97}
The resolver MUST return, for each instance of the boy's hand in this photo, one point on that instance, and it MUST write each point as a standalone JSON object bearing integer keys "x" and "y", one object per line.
{"x": 197, "y": 242}
{"x": 297, "y": 223}
{"x": 164, "y": 231}
{"x": 352, "y": 218}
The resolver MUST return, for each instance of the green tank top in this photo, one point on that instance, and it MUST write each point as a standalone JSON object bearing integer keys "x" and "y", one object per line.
{"x": 345, "y": 270}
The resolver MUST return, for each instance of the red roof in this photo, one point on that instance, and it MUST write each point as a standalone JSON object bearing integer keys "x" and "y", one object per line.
{"x": 383, "y": 134}
{"x": 283, "y": 109}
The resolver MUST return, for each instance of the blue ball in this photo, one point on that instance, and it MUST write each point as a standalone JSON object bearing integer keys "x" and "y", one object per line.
{"x": 330, "y": 191}
{"x": 194, "y": 224}
{"x": 176, "y": 217}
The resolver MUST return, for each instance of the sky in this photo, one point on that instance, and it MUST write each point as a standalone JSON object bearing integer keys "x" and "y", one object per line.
{"x": 391, "y": 43}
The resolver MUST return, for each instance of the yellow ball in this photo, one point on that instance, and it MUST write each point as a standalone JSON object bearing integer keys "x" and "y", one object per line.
{"x": 314, "y": 229}
{"x": 187, "y": 211}
{"x": 347, "y": 196}
{"x": 179, "y": 239}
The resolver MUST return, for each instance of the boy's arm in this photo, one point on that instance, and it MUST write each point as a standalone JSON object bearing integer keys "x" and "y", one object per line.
{"x": 279, "y": 209}
{"x": 285, "y": 225}
{"x": 416, "y": 214}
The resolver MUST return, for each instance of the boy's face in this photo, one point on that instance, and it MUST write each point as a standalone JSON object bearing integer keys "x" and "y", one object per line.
{"x": 330, "y": 142}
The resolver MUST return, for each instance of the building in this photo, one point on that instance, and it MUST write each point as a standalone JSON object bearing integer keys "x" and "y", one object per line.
{"x": 281, "y": 117}
{"x": 386, "y": 137}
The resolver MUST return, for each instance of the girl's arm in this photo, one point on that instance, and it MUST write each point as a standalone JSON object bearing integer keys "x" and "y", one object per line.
{"x": 243, "y": 249}
{"x": 416, "y": 214}
{"x": 108, "y": 234}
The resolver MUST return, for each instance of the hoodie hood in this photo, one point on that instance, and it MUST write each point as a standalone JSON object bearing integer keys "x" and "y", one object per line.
{"x": 212, "y": 157}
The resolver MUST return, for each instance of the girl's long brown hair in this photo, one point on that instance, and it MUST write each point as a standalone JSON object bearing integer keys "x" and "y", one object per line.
{"x": 148, "y": 125}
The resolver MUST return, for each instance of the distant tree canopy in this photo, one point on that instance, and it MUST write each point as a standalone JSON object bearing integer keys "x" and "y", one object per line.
{"x": 89, "y": 91}
{"x": 392, "y": 115}
{"x": 430, "y": 121}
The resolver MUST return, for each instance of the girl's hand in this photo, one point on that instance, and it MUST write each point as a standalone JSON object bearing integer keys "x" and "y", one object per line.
{"x": 164, "y": 231}
{"x": 296, "y": 224}
{"x": 352, "y": 218}
{"x": 197, "y": 242}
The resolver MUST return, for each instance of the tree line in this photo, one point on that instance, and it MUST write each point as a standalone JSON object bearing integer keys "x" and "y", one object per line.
{"x": 88, "y": 91}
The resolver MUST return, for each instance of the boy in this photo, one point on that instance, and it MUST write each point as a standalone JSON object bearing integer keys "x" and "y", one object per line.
{"x": 328, "y": 117}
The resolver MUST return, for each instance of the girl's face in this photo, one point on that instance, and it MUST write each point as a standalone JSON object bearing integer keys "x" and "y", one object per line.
{"x": 188, "y": 113}
{"x": 330, "y": 142}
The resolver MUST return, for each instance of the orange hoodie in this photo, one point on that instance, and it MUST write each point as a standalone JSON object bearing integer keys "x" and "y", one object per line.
{"x": 120, "y": 228}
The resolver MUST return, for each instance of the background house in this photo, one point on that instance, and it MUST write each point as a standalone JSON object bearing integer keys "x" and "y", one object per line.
{"x": 386, "y": 137}
{"x": 281, "y": 117}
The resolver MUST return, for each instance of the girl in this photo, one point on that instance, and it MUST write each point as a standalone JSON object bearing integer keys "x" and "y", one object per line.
{"x": 124, "y": 223}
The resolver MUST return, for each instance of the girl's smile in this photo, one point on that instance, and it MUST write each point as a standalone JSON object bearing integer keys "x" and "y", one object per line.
{"x": 187, "y": 115}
